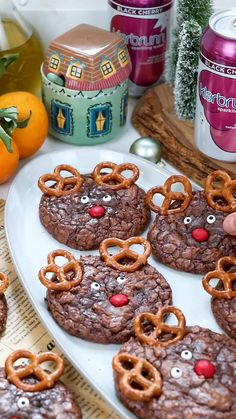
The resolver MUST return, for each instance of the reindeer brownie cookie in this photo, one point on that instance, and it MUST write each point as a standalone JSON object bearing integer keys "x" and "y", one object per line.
{"x": 81, "y": 211}
{"x": 174, "y": 372}
{"x": 28, "y": 391}
{"x": 96, "y": 298}
{"x": 187, "y": 233}
{"x": 223, "y": 303}
{"x": 4, "y": 283}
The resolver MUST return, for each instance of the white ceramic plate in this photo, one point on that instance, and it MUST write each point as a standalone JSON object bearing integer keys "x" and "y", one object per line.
{"x": 29, "y": 244}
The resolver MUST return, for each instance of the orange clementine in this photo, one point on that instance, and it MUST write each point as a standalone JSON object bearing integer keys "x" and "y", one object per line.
{"x": 30, "y": 138}
{"x": 8, "y": 161}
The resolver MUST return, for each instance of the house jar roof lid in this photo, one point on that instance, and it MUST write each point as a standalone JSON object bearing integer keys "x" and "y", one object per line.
{"x": 87, "y": 58}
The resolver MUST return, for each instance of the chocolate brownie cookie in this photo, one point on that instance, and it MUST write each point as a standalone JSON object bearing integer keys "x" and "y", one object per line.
{"x": 193, "y": 376}
{"x": 223, "y": 302}
{"x": 187, "y": 234}
{"x": 82, "y": 217}
{"x": 102, "y": 307}
{"x": 48, "y": 403}
{"x": 4, "y": 283}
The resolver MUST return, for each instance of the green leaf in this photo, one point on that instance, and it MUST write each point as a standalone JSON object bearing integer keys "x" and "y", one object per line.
{"x": 8, "y": 123}
{"x": 6, "y": 140}
{"x": 11, "y": 113}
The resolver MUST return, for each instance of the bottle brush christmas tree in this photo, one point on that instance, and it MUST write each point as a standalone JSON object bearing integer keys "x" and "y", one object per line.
{"x": 182, "y": 60}
{"x": 187, "y": 70}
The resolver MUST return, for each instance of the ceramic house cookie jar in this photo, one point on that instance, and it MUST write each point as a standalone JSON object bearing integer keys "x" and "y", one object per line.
{"x": 85, "y": 85}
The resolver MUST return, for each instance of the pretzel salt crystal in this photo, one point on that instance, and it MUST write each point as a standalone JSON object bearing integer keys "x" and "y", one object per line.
{"x": 61, "y": 182}
{"x": 159, "y": 327}
{"x": 170, "y": 196}
{"x": 227, "y": 278}
{"x": 149, "y": 384}
{"x": 4, "y": 282}
{"x": 61, "y": 272}
{"x": 226, "y": 190}
{"x": 120, "y": 182}
{"x": 126, "y": 252}
{"x": 45, "y": 379}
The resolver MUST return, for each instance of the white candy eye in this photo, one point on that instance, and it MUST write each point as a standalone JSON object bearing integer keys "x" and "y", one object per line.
{"x": 23, "y": 402}
{"x": 211, "y": 219}
{"x": 186, "y": 355}
{"x": 106, "y": 198}
{"x": 176, "y": 372}
{"x": 84, "y": 199}
{"x": 95, "y": 286}
{"x": 121, "y": 279}
{"x": 187, "y": 220}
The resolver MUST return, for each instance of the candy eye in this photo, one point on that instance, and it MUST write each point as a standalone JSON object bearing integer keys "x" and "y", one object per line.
{"x": 107, "y": 198}
{"x": 84, "y": 199}
{"x": 23, "y": 402}
{"x": 176, "y": 372}
{"x": 211, "y": 219}
{"x": 121, "y": 279}
{"x": 186, "y": 355}
{"x": 187, "y": 220}
{"x": 95, "y": 286}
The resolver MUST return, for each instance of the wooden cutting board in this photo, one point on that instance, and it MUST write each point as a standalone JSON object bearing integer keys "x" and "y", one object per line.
{"x": 154, "y": 116}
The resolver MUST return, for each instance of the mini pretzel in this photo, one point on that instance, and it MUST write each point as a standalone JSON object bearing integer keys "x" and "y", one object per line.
{"x": 170, "y": 196}
{"x": 61, "y": 271}
{"x": 4, "y": 282}
{"x": 126, "y": 252}
{"x": 159, "y": 327}
{"x": 59, "y": 188}
{"x": 148, "y": 386}
{"x": 227, "y": 279}
{"x": 45, "y": 379}
{"x": 227, "y": 191}
{"x": 120, "y": 182}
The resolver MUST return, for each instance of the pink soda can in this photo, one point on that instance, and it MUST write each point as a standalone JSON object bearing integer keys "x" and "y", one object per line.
{"x": 215, "y": 124}
{"x": 145, "y": 27}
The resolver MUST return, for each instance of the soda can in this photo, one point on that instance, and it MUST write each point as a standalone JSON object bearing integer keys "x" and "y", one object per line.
{"x": 144, "y": 25}
{"x": 215, "y": 123}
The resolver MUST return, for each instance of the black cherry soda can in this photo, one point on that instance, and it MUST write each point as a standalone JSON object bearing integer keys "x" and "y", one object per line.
{"x": 144, "y": 25}
{"x": 215, "y": 124}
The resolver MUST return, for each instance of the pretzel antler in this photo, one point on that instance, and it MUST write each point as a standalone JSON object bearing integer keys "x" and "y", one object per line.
{"x": 170, "y": 196}
{"x": 227, "y": 278}
{"x": 224, "y": 189}
{"x": 126, "y": 252}
{"x": 59, "y": 189}
{"x": 140, "y": 373}
{"x": 160, "y": 327}
{"x": 61, "y": 272}
{"x": 45, "y": 379}
{"x": 120, "y": 182}
{"x": 4, "y": 282}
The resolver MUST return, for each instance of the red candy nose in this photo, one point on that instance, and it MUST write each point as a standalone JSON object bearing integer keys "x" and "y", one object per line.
{"x": 119, "y": 300}
{"x": 97, "y": 211}
{"x": 200, "y": 235}
{"x": 205, "y": 368}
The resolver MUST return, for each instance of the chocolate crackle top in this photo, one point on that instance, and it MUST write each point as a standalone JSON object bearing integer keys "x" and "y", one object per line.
{"x": 187, "y": 233}
{"x": 88, "y": 58}
{"x": 96, "y": 298}
{"x": 223, "y": 303}
{"x": 29, "y": 391}
{"x": 82, "y": 210}
{"x": 174, "y": 371}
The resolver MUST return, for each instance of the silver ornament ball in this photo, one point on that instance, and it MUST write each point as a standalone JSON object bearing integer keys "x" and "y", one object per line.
{"x": 148, "y": 148}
